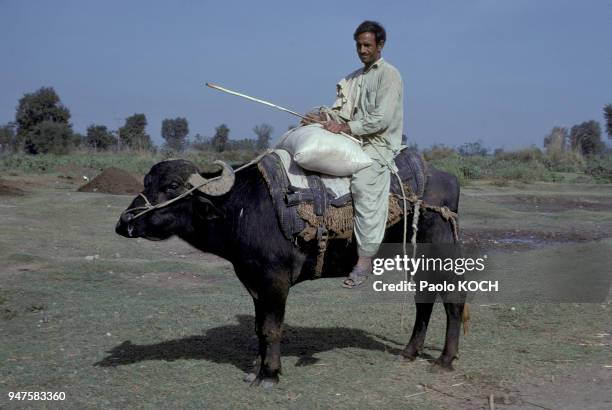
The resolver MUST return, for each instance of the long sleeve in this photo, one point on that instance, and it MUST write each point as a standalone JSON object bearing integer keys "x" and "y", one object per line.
{"x": 378, "y": 115}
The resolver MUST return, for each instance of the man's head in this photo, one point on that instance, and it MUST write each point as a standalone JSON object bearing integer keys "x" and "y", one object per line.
{"x": 370, "y": 39}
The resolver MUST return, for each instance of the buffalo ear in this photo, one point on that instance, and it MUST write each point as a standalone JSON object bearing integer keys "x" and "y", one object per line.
{"x": 206, "y": 209}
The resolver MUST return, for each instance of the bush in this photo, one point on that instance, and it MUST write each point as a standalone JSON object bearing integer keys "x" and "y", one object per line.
{"x": 522, "y": 171}
{"x": 452, "y": 165}
{"x": 559, "y": 160}
{"x": 49, "y": 137}
{"x": 523, "y": 155}
{"x": 438, "y": 151}
{"x": 600, "y": 168}
{"x": 476, "y": 167}
{"x": 526, "y": 165}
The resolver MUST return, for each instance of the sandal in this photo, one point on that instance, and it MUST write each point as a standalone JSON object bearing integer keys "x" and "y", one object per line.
{"x": 356, "y": 278}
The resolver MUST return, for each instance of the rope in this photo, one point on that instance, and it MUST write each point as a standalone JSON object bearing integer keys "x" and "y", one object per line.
{"x": 444, "y": 211}
{"x": 415, "y": 221}
{"x": 404, "y": 234}
{"x": 149, "y": 207}
{"x": 405, "y": 230}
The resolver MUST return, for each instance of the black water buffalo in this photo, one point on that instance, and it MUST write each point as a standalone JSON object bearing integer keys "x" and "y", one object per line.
{"x": 237, "y": 221}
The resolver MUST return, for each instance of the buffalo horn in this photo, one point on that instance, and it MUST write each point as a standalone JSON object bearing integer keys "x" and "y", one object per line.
{"x": 216, "y": 186}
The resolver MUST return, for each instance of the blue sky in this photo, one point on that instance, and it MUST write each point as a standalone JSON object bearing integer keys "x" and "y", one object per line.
{"x": 503, "y": 71}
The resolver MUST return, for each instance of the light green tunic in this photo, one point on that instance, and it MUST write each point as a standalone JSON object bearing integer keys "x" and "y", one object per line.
{"x": 371, "y": 102}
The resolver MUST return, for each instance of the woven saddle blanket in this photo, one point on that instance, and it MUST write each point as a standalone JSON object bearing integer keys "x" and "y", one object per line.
{"x": 306, "y": 202}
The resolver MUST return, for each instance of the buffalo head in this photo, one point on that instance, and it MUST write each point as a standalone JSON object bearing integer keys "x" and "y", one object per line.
{"x": 173, "y": 191}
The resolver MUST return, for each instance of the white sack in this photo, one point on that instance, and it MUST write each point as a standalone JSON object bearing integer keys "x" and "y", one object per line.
{"x": 319, "y": 150}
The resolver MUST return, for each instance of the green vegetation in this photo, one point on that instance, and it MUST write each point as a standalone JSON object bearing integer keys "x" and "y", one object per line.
{"x": 264, "y": 135}
{"x": 41, "y": 137}
{"x": 512, "y": 166}
{"x": 137, "y": 162}
{"x": 160, "y": 324}
{"x": 175, "y": 132}
{"x": 525, "y": 165}
{"x": 99, "y": 138}
{"x": 219, "y": 141}
{"x": 43, "y": 123}
{"x": 133, "y": 135}
{"x": 608, "y": 117}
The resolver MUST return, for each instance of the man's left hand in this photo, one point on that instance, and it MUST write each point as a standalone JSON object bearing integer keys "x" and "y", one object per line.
{"x": 337, "y": 127}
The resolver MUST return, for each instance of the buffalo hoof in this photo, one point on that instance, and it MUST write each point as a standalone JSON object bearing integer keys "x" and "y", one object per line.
{"x": 266, "y": 383}
{"x": 442, "y": 364}
{"x": 409, "y": 353}
{"x": 402, "y": 358}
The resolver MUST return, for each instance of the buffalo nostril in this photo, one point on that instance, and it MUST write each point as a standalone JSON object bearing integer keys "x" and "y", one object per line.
{"x": 127, "y": 217}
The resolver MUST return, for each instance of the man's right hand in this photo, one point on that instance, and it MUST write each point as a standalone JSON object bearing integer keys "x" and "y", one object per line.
{"x": 312, "y": 118}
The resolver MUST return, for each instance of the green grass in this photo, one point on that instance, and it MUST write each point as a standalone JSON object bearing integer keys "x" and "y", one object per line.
{"x": 491, "y": 168}
{"x": 139, "y": 162}
{"x": 178, "y": 325}
{"x": 527, "y": 165}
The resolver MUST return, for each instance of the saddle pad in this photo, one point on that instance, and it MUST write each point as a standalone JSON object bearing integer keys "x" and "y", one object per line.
{"x": 338, "y": 186}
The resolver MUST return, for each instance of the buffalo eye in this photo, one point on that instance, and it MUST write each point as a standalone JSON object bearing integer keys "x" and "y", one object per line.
{"x": 173, "y": 186}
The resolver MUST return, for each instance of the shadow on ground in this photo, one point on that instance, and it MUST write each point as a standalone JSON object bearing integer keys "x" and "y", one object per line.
{"x": 236, "y": 345}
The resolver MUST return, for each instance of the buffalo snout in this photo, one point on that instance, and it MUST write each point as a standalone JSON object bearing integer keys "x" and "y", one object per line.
{"x": 125, "y": 225}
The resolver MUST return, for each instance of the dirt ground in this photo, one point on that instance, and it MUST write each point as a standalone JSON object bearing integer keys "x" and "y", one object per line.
{"x": 117, "y": 323}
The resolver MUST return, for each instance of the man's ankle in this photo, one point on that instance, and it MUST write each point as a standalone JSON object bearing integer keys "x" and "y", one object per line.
{"x": 364, "y": 262}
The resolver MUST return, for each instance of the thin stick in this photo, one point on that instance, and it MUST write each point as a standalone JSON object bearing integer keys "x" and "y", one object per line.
{"x": 269, "y": 104}
{"x": 415, "y": 394}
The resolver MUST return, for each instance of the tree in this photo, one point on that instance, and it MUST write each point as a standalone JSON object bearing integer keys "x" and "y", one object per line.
{"x": 49, "y": 137}
{"x": 99, "y": 138}
{"x": 219, "y": 141}
{"x": 8, "y": 137}
{"x": 77, "y": 139}
{"x": 608, "y": 117}
{"x": 264, "y": 134}
{"x": 41, "y": 105}
{"x": 586, "y": 138}
{"x": 34, "y": 109}
{"x": 133, "y": 134}
{"x": 175, "y": 132}
{"x": 556, "y": 140}
{"x": 470, "y": 149}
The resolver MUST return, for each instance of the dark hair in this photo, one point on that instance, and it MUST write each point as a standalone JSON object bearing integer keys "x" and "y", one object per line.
{"x": 371, "y": 27}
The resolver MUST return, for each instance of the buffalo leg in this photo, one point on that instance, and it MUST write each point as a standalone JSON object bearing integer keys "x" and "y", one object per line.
{"x": 415, "y": 345}
{"x": 269, "y": 315}
{"x": 451, "y": 344}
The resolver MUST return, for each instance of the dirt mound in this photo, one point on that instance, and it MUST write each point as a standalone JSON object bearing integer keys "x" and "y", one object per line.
{"x": 8, "y": 188}
{"x": 114, "y": 181}
{"x": 72, "y": 171}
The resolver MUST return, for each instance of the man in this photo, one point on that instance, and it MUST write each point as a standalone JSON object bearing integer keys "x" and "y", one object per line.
{"x": 369, "y": 105}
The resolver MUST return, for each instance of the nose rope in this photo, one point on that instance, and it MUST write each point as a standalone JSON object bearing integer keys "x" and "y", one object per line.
{"x": 149, "y": 207}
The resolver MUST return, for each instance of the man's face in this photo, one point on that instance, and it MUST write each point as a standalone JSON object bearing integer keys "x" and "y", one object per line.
{"x": 367, "y": 48}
